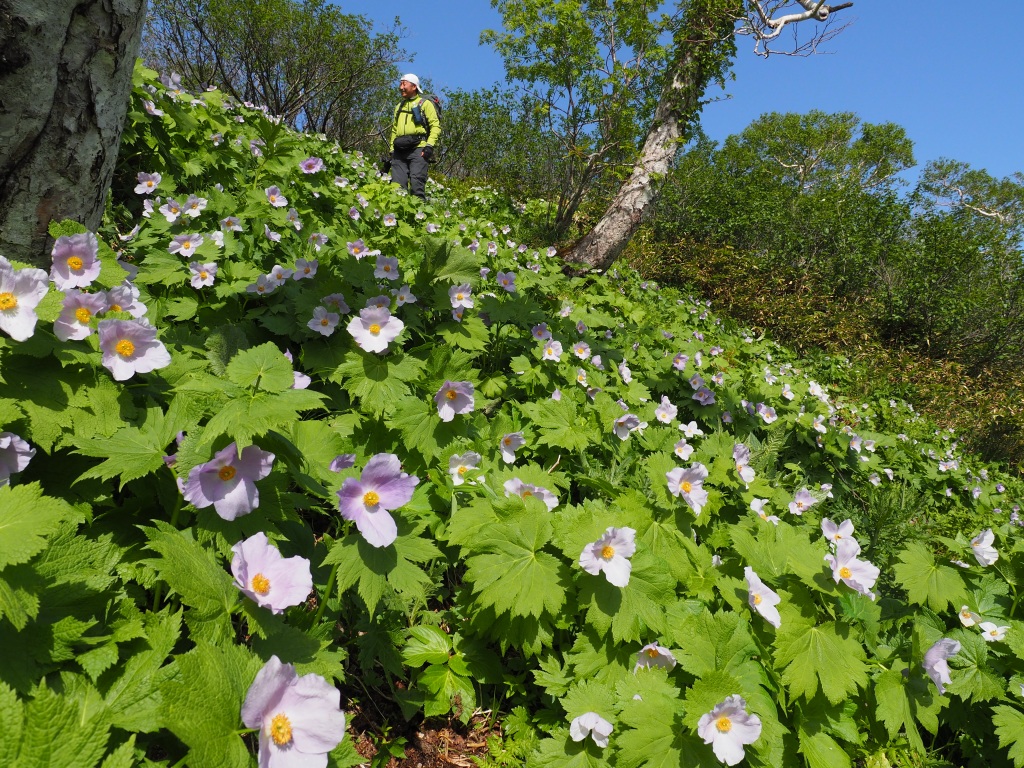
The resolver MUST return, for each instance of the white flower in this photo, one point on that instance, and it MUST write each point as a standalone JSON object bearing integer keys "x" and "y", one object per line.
{"x": 984, "y": 552}
{"x": 552, "y": 351}
{"x": 691, "y": 430}
{"x": 20, "y": 294}
{"x": 611, "y": 554}
{"x": 593, "y": 725}
{"x": 801, "y": 502}
{"x": 509, "y": 444}
{"x": 968, "y": 617}
{"x": 991, "y": 632}
{"x": 857, "y": 574}
{"x": 654, "y": 655}
{"x": 728, "y": 727}
{"x": 688, "y": 483}
{"x": 761, "y": 598}
{"x": 834, "y": 532}
{"x": 460, "y": 465}
{"x": 665, "y": 412}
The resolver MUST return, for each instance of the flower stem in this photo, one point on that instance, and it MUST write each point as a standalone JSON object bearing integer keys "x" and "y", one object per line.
{"x": 326, "y": 594}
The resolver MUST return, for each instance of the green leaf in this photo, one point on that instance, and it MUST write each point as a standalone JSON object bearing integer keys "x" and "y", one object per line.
{"x": 191, "y": 570}
{"x": 244, "y": 418}
{"x": 1009, "y": 723}
{"x": 813, "y": 652}
{"x": 928, "y": 583}
{"x": 27, "y": 518}
{"x": 427, "y": 645}
{"x": 821, "y": 750}
{"x": 202, "y": 701}
{"x": 895, "y": 704}
{"x": 636, "y": 610}
{"x": 558, "y": 425}
{"x": 449, "y": 692}
{"x": 130, "y": 454}
{"x": 459, "y": 265}
{"x": 58, "y": 730}
{"x": 133, "y": 698}
{"x": 263, "y": 368}
{"x": 514, "y": 575}
{"x": 377, "y": 382}
{"x": 972, "y": 676}
{"x": 12, "y": 715}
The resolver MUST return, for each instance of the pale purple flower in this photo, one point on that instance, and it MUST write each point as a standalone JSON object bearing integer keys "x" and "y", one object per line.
{"x": 982, "y": 547}
{"x": 217, "y": 237}
{"x": 625, "y": 373}
{"x": 311, "y": 165}
{"x": 936, "y": 662}
{"x": 267, "y": 578}
{"x": 275, "y": 198}
{"x": 77, "y": 313}
{"x": 758, "y": 505}
{"x": 581, "y": 327}
{"x": 679, "y": 361}
{"x": 696, "y": 381}
{"x": 299, "y": 718}
{"x": 203, "y": 274}
{"x": 75, "y": 261}
{"x": 387, "y": 268}
{"x": 540, "y": 332}
{"x": 728, "y": 727}
{"x": 741, "y": 455}
{"x": 492, "y": 248}
{"x": 263, "y": 286}
{"x": 194, "y": 206}
{"x": 552, "y": 350}
{"x": 279, "y": 275}
{"x": 611, "y": 554}
{"x": 856, "y": 574}
{"x": 507, "y": 280}
{"x": 802, "y": 501}
{"x": 767, "y": 413}
{"x": 15, "y": 454}
{"x": 318, "y": 240}
{"x": 353, "y": 213}
{"x": 342, "y": 461}
{"x": 403, "y": 295}
{"x": 689, "y": 483}
{"x": 593, "y": 725}
{"x": 231, "y": 224}
{"x": 454, "y": 397}
{"x": 665, "y": 412}
{"x": 761, "y": 598}
{"x": 526, "y": 490}
{"x": 292, "y": 217}
{"x": 461, "y": 296}
{"x": 305, "y": 269}
{"x": 458, "y": 466}
{"x": 323, "y": 322}
{"x": 171, "y": 209}
{"x": 390, "y": 220}
{"x": 368, "y": 501}
{"x": 704, "y": 396}
{"x": 228, "y": 481}
{"x": 625, "y": 424}
{"x": 271, "y": 235}
{"x": 375, "y": 328}
{"x": 130, "y": 347}
{"x": 835, "y": 533}
{"x": 125, "y": 298}
{"x": 151, "y": 108}
{"x": 147, "y": 183}
{"x": 185, "y": 245}
{"x": 691, "y": 429}
{"x": 509, "y": 444}
{"x": 654, "y": 655}
{"x": 378, "y": 302}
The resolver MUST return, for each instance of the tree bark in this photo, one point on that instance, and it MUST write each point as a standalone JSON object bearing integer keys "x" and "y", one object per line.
{"x": 704, "y": 48}
{"x": 65, "y": 82}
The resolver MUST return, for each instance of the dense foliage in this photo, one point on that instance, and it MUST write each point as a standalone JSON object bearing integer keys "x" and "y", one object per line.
{"x": 327, "y": 425}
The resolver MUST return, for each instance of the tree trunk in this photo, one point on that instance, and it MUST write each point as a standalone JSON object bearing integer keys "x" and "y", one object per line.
{"x": 65, "y": 81}
{"x": 704, "y": 48}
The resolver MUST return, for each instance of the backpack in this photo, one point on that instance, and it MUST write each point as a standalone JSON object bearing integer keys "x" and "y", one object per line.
{"x": 417, "y": 112}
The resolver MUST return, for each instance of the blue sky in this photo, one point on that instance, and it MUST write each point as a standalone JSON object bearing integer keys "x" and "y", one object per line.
{"x": 949, "y": 75}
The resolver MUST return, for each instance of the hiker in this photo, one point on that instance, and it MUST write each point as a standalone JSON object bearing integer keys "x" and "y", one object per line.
{"x": 414, "y": 132}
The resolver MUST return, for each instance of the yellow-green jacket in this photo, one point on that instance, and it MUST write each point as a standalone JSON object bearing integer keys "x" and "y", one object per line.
{"x": 403, "y": 124}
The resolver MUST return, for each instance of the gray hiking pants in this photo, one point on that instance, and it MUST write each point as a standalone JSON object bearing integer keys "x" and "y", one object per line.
{"x": 409, "y": 171}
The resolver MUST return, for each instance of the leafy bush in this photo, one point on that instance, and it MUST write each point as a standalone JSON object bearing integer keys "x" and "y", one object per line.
{"x": 558, "y": 498}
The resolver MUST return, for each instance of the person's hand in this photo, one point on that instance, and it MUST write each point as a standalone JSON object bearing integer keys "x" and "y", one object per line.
{"x": 428, "y": 153}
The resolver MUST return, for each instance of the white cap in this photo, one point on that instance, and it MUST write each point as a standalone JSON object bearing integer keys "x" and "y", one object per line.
{"x": 410, "y": 78}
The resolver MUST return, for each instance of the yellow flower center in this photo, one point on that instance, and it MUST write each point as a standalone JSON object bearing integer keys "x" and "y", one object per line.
{"x": 273, "y": 198}
{"x": 652, "y": 653}
{"x": 458, "y": 296}
{"x": 686, "y": 485}
{"x": 507, "y": 441}
{"x": 757, "y": 599}
{"x": 462, "y": 470}
{"x": 965, "y": 614}
{"x": 371, "y": 499}
{"x": 226, "y": 473}
{"x": 550, "y": 350}
{"x": 281, "y": 729}
{"x": 723, "y": 724}
{"x": 387, "y": 267}
{"x": 306, "y": 270}
{"x": 124, "y": 348}
{"x": 83, "y": 315}
{"x": 203, "y": 275}
{"x": 149, "y": 183}
{"x": 375, "y": 329}
{"x": 116, "y": 308}
{"x": 8, "y": 301}
{"x": 994, "y": 632}
{"x": 75, "y": 262}
{"x": 527, "y": 494}
{"x": 186, "y": 245}
{"x": 325, "y": 322}
{"x": 261, "y": 288}
{"x": 260, "y": 584}
{"x": 845, "y": 573}
{"x": 607, "y": 551}
{"x": 451, "y": 394}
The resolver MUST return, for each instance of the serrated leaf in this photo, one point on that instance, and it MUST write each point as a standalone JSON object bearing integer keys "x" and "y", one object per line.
{"x": 130, "y": 453}
{"x": 133, "y": 698}
{"x": 821, "y": 750}
{"x": 191, "y": 571}
{"x": 263, "y": 368}
{"x": 812, "y": 652}
{"x": 377, "y": 382}
{"x": 12, "y": 715}
{"x": 449, "y": 692}
{"x": 559, "y": 425}
{"x": 928, "y": 583}
{"x": 1009, "y": 724}
{"x": 427, "y": 645}
{"x": 894, "y": 706}
{"x": 244, "y": 418}
{"x": 27, "y": 518}
{"x": 636, "y": 610}
{"x": 57, "y": 731}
